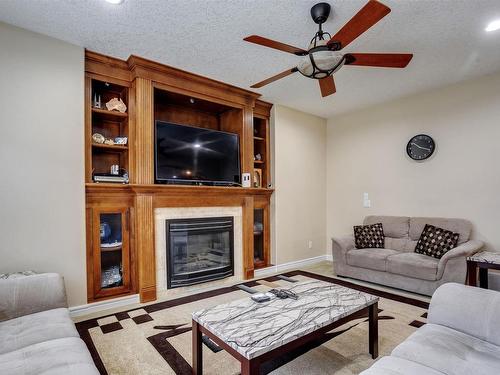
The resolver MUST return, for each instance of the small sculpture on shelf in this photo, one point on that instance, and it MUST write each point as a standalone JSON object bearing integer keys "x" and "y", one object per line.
{"x": 121, "y": 141}
{"x": 98, "y": 138}
{"x": 116, "y": 104}
{"x": 97, "y": 101}
{"x": 257, "y": 157}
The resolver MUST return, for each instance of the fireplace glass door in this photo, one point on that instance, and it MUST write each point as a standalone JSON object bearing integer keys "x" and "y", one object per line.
{"x": 199, "y": 250}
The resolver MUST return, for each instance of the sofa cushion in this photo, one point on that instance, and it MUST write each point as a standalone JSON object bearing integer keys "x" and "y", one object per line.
{"x": 30, "y": 294}
{"x": 394, "y": 226}
{"x": 460, "y": 226}
{"x": 55, "y": 357}
{"x": 399, "y": 244}
{"x": 399, "y": 366}
{"x": 414, "y": 265}
{"x": 478, "y": 316}
{"x": 31, "y": 329}
{"x": 369, "y": 258}
{"x": 436, "y": 242}
{"x": 369, "y": 236}
{"x": 450, "y": 351}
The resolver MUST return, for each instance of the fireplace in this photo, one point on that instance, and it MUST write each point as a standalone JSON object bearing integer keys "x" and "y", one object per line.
{"x": 199, "y": 250}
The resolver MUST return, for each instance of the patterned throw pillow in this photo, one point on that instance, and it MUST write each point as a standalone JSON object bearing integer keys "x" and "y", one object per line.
{"x": 369, "y": 236}
{"x": 435, "y": 241}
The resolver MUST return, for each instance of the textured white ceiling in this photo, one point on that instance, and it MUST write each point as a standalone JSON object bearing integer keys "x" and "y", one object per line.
{"x": 205, "y": 37}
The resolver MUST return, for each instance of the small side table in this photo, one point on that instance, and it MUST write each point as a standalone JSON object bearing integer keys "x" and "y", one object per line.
{"x": 484, "y": 260}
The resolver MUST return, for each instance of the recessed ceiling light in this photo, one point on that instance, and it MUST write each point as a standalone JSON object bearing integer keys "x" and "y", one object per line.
{"x": 196, "y": 145}
{"x": 116, "y": 2}
{"x": 494, "y": 25}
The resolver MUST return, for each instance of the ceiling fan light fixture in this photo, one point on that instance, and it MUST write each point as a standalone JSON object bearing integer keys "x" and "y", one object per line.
{"x": 320, "y": 63}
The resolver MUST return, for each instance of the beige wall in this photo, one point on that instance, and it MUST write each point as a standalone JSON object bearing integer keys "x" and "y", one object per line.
{"x": 41, "y": 153}
{"x": 299, "y": 179}
{"x": 366, "y": 153}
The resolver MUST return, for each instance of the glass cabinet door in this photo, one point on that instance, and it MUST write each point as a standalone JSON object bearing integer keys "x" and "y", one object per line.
{"x": 111, "y": 252}
{"x": 111, "y": 242}
{"x": 258, "y": 236}
{"x": 261, "y": 234}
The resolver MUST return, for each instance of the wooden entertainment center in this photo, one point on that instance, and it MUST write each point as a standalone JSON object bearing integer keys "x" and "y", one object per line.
{"x": 152, "y": 91}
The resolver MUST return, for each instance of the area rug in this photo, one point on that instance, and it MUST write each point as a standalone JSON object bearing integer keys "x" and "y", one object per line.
{"x": 156, "y": 339}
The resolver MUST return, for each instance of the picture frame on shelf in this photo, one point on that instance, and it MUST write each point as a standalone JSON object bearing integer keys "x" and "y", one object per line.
{"x": 257, "y": 177}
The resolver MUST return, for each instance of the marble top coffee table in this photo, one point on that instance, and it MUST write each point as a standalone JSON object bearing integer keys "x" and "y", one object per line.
{"x": 254, "y": 332}
{"x": 484, "y": 260}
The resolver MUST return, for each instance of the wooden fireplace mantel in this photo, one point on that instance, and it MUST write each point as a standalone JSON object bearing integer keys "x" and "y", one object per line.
{"x": 143, "y": 84}
{"x": 176, "y": 190}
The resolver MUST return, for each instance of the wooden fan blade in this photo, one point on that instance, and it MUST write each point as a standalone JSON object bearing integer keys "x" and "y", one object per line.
{"x": 368, "y": 16}
{"x": 382, "y": 60}
{"x": 274, "y": 78}
{"x": 327, "y": 86}
{"x": 276, "y": 45}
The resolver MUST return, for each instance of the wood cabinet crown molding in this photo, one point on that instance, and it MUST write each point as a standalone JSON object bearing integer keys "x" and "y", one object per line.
{"x": 262, "y": 108}
{"x": 107, "y": 66}
{"x": 135, "y": 63}
{"x": 136, "y": 66}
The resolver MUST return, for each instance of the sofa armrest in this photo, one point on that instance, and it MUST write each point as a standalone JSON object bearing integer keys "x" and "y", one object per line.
{"x": 467, "y": 309}
{"x": 464, "y": 250}
{"x": 340, "y": 247}
{"x": 30, "y": 294}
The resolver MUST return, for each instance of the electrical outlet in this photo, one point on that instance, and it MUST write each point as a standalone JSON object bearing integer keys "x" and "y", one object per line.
{"x": 310, "y": 244}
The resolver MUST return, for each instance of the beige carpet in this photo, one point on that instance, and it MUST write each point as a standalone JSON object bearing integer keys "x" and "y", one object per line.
{"x": 156, "y": 339}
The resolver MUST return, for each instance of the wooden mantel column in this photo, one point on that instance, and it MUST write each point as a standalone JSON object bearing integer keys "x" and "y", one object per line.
{"x": 144, "y": 133}
{"x": 145, "y": 238}
{"x": 144, "y": 174}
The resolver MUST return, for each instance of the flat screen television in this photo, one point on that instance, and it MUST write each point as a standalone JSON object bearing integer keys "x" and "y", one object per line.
{"x": 185, "y": 154}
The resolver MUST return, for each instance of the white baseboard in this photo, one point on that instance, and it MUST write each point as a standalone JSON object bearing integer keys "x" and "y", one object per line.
{"x": 263, "y": 272}
{"x": 94, "y": 307}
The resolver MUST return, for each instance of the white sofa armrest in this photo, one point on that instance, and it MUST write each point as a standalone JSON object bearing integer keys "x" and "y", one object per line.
{"x": 340, "y": 247}
{"x": 30, "y": 294}
{"x": 464, "y": 250}
{"x": 467, "y": 309}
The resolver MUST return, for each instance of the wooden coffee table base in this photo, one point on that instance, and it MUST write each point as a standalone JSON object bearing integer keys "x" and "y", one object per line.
{"x": 252, "y": 366}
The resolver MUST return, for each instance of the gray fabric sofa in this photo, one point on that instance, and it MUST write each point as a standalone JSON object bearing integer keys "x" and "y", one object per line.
{"x": 37, "y": 335}
{"x": 461, "y": 337}
{"x": 398, "y": 265}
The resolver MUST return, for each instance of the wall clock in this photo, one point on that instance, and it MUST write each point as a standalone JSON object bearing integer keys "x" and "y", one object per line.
{"x": 420, "y": 147}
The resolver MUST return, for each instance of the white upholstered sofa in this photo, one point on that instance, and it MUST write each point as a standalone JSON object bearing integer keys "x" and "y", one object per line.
{"x": 37, "y": 335}
{"x": 461, "y": 337}
{"x": 397, "y": 265}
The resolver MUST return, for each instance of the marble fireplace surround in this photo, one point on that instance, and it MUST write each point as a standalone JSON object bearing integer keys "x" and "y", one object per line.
{"x": 163, "y": 214}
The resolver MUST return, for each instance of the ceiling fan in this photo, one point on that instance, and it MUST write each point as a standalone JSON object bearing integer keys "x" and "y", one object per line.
{"x": 323, "y": 58}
